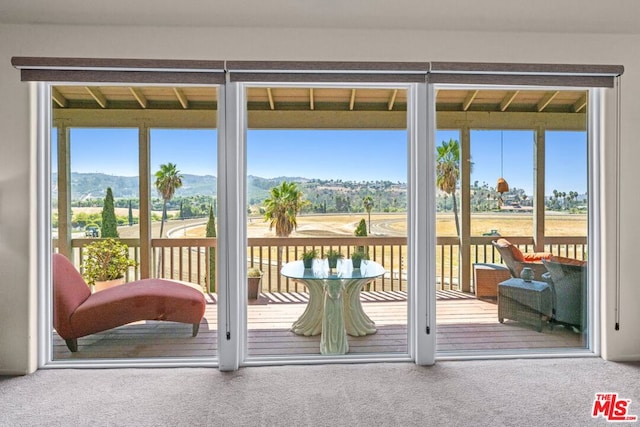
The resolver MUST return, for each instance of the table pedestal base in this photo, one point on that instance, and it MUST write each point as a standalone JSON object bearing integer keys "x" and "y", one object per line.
{"x": 335, "y": 310}
{"x": 334, "y": 338}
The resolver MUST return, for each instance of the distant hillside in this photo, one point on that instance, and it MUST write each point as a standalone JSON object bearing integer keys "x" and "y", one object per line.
{"x": 94, "y": 186}
{"x": 324, "y": 196}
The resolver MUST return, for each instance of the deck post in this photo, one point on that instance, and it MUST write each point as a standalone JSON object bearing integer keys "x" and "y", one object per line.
{"x": 465, "y": 210}
{"x": 64, "y": 191}
{"x": 145, "y": 201}
{"x": 538, "y": 189}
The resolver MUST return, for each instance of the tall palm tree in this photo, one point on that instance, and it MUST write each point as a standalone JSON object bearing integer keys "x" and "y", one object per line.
{"x": 448, "y": 172}
{"x": 282, "y": 207}
{"x": 367, "y": 202}
{"x": 168, "y": 180}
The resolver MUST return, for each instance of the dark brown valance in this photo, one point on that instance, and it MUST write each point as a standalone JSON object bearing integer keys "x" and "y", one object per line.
{"x": 475, "y": 73}
{"x": 213, "y": 72}
{"x": 108, "y": 70}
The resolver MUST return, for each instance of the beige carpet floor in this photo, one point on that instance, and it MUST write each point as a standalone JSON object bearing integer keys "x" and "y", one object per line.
{"x": 549, "y": 392}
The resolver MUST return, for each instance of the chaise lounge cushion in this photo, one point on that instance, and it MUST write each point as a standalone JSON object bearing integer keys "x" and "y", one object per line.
{"x": 77, "y": 312}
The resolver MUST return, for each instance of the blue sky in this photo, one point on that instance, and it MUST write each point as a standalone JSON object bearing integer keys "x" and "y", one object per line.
{"x": 359, "y": 155}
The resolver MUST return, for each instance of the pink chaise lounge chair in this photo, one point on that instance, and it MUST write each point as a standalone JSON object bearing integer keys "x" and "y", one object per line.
{"x": 78, "y": 313}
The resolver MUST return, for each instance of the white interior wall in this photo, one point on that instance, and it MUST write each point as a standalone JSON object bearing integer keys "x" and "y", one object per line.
{"x": 17, "y": 160}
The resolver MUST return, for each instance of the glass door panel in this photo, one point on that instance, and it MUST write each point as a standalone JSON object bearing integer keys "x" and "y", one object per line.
{"x": 518, "y": 174}
{"x": 326, "y": 173}
{"x": 111, "y": 185}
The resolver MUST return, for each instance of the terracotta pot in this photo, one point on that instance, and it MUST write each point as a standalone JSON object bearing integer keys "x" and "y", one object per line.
{"x": 102, "y": 285}
{"x": 254, "y": 287}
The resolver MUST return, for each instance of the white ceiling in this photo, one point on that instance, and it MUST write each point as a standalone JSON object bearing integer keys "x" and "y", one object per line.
{"x": 557, "y": 16}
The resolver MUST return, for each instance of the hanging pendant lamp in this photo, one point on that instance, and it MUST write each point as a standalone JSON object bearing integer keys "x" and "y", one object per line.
{"x": 502, "y": 185}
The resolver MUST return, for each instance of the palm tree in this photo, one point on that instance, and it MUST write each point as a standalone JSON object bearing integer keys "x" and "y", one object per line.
{"x": 448, "y": 172}
{"x": 168, "y": 180}
{"x": 367, "y": 202}
{"x": 282, "y": 207}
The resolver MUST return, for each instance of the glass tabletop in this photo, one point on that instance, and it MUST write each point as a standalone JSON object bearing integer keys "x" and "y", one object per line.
{"x": 344, "y": 270}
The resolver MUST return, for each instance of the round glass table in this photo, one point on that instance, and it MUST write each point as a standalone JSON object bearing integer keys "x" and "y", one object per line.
{"x": 334, "y": 309}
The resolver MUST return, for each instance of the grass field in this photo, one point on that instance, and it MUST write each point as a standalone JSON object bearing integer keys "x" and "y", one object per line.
{"x": 336, "y": 225}
{"x": 507, "y": 224}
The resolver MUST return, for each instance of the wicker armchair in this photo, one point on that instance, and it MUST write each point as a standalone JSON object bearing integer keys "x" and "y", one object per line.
{"x": 516, "y": 260}
{"x": 568, "y": 281}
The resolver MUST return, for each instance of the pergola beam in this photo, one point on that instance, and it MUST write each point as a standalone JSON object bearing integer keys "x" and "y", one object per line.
{"x": 392, "y": 99}
{"x": 58, "y": 98}
{"x": 270, "y": 96}
{"x": 97, "y": 96}
{"x": 580, "y": 104}
{"x": 306, "y": 119}
{"x": 508, "y": 99}
{"x": 469, "y": 99}
{"x": 311, "y": 100}
{"x": 546, "y": 100}
{"x": 181, "y": 97}
{"x": 139, "y": 96}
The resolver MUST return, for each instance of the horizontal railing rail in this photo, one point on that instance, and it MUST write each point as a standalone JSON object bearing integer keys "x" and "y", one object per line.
{"x": 186, "y": 259}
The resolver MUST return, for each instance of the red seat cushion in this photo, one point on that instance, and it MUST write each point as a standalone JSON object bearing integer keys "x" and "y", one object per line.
{"x": 149, "y": 299}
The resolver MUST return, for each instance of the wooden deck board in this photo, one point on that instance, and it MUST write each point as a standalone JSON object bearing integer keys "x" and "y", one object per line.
{"x": 463, "y": 323}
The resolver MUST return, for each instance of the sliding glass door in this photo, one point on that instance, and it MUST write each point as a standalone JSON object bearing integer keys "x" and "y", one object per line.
{"x": 326, "y": 173}
{"x": 512, "y": 182}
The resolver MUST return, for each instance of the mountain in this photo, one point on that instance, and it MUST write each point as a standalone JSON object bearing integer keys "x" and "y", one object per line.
{"x": 324, "y": 195}
{"x": 94, "y": 186}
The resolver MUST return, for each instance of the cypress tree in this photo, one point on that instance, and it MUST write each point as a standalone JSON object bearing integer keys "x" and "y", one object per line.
{"x": 361, "y": 231}
{"x": 130, "y": 214}
{"x": 109, "y": 223}
{"x": 211, "y": 232}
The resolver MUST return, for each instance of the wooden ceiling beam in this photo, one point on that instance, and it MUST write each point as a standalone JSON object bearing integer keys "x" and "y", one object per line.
{"x": 311, "y": 100}
{"x": 546, "y": 100}
{"x": 272, "y": 105}
{"x": 137, "y": 94}
{"x": 580, "y": 104}
{"x": 58, "y": 98}
{"x": 508, "y": 99}
{"x": 181, "y": 97}
{"x": 352, "y": 102}
{"x": 469, "y": 99}
{"x": 97, "y": 96}
{"x": 392, "y": 99}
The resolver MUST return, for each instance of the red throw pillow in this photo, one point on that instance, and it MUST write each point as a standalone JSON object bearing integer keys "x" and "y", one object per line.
{"x": 536, "y": 256}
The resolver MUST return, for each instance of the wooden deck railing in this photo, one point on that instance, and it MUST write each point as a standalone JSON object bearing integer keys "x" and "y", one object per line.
{"x": 186, "y": 258}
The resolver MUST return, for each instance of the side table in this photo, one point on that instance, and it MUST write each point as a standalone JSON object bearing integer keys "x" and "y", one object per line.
{"x": 527, "y": 302}
{"x": 486, "y": 278}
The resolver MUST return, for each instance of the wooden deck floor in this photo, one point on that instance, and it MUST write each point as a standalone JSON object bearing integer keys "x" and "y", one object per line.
{"x": 463, "y": 323}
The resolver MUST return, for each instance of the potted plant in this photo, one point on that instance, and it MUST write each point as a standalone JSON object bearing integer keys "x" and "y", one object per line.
{"x": 333, "y": 256}
{"x": 254, "y": 276}
{"x": 308, "y": 257}
{"x": 105, "y": 263}
{"x": 357, "y": 256}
